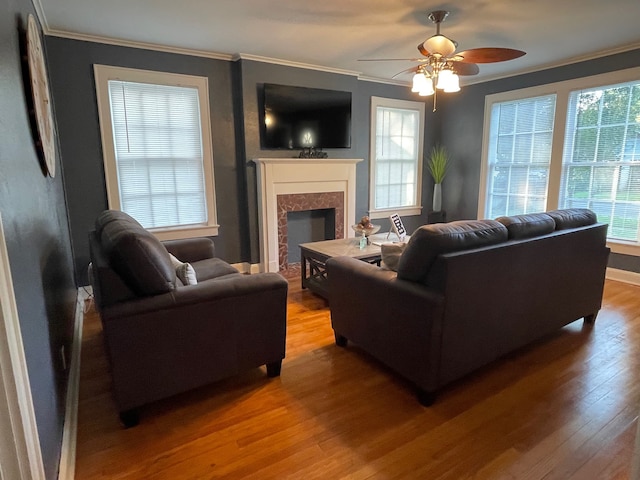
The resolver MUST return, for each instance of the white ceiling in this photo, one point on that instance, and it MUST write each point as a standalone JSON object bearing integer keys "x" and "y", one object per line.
{"x": 336, "y": 33}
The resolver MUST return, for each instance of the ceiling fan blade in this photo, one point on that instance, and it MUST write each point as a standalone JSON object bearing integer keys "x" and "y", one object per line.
{"x": 490, "y": 55}
{"x": 464, "y": 68}
{"x": 407, "y": 70}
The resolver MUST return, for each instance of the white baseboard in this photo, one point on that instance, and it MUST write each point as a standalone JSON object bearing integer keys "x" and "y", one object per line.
{"x": 67, "y": 468}
{"x": 623, "y": 276}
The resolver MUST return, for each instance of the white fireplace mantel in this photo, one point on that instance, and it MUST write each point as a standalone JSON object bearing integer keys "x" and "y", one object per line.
{"x": 279, "y": 176}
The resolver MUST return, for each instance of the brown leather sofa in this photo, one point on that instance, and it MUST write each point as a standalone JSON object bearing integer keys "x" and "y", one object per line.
{"x": 163, "y": 337}
{"x": 468, "y": 292}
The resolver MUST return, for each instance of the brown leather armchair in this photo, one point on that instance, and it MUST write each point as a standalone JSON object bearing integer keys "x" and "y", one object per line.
{"x": 163, "y": 337}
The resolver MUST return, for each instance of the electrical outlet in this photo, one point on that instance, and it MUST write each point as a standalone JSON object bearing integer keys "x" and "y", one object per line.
{"x": 63, "y": 357}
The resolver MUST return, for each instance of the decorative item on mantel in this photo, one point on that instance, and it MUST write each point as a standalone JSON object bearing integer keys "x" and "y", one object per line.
{"x": 312, "y": 152}
{"x": 438, "y": 164}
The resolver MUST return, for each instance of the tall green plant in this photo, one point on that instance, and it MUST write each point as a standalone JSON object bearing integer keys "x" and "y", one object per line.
{"x": 438, "y": 163}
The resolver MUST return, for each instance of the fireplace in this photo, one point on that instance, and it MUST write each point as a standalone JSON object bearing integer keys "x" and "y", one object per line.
{"x": 298, "y": 202}
{"x": 295, "y": 184}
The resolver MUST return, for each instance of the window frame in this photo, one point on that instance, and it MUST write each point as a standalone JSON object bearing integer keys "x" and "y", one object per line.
{"x": 103, "y": 74}
{"x": 415, "y": 209}
{"x": 562, "y": 90}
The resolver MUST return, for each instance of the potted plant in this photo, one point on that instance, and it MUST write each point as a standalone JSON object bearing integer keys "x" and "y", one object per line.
{"x": 438, "y": 163}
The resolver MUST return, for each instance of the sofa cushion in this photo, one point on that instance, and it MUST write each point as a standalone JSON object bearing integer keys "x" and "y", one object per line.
{"x": 136, "y": 255}
{"x": 429, "y": 241}
{"x": 573, "y": 218}
{"x": 212, "y": 268}
{"x": 390, "y": 254}
{"x": 528, "y": 225}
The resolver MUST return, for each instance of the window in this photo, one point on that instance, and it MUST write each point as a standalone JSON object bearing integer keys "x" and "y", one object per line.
{"x": 601, "y": 161}
{"x": 519, "y": 155}
{"x": 157, "y": 149}
{"x": 397, "y": 136}
{"x": 563, "y": 145}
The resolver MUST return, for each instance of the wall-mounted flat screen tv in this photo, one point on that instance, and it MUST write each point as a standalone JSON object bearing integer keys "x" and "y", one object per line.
{"x": 301, "y": 117}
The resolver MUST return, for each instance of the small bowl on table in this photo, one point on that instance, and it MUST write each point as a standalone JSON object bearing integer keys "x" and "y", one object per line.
{"x": 359, "y": 229}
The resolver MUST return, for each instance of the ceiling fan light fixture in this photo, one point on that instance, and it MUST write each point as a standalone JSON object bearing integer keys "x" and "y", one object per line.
{"x": 439, "y": 45}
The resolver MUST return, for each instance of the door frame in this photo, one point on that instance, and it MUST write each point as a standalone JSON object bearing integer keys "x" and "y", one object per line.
{"x": 20, "y": 453}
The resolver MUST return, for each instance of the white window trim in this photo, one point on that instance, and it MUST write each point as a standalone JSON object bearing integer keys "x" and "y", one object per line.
{"x": 407, "y": 105}
{"x": 562, "y": 90}
{"x": 104, "y": 73}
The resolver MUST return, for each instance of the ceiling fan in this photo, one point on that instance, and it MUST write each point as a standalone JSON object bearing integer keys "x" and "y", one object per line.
{"x": 440, "y": 65}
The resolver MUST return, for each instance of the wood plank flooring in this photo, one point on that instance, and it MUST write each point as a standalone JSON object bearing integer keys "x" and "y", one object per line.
{"x": 563, "y": 408}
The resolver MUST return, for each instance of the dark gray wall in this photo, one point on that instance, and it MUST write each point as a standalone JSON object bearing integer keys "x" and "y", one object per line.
{"x": 362, "y": 108}
{"x": 254, "y": 74}
{"x": 462, "y": 117}
{"x": 234, "y": 88}
{"x": 73, "y": 89}
{"x": 37, "y": 234}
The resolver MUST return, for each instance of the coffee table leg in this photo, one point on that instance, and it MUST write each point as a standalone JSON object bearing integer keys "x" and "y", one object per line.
{"x": 303, "y": 270}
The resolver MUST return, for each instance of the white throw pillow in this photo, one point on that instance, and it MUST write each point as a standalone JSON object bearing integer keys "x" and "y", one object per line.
{"x": 184, "y": 271}
{"x": 390, "y": 253}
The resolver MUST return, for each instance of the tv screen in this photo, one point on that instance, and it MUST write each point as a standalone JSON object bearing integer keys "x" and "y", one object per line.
{"x": 301, "y": 117}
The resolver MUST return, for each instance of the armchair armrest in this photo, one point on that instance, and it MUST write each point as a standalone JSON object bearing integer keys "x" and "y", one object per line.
{"x": 191, "y": 249}
{"x": 201, "y": 296}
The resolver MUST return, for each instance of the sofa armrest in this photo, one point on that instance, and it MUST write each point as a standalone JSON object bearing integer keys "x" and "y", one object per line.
{"x": 228, "y": 288}
{"x": 191, "y": 250}
{"x": 397, "y": 321}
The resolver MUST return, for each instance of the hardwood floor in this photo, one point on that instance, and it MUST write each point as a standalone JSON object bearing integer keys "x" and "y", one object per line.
{"x": 563, "y": 408}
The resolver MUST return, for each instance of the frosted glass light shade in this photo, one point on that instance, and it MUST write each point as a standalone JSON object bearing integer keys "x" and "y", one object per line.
{"x": 453, "y": 84}
{"x": 444, "y": 79}
{"x": 419, "y": 82}
{"x": 439, "y": 44}
{"x": 427, "y": 88}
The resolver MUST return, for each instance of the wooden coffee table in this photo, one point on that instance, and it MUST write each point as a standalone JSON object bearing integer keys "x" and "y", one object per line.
{"x": 313, "y": 256}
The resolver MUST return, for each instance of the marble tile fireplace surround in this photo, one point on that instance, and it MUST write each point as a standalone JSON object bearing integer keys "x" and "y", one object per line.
{"x": 299, "y": 184}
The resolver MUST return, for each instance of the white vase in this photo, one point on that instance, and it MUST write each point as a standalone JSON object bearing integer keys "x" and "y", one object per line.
{"x": 437, "y": 197}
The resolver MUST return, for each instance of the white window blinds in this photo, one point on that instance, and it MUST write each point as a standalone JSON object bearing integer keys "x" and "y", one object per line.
{"x": 601, "y": 158}
{"x": 159, "y": 155}
{"x": 519, "y": 156}
{"x": 396, "y": 157}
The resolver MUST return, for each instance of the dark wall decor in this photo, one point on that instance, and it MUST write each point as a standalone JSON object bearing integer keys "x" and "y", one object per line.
{"x": 41, "y": 108}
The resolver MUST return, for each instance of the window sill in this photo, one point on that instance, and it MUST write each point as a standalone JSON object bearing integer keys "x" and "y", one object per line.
{"x": 402, "y": 211}
{"x": 624, "y": 248}
{"x": 188, "y": 232}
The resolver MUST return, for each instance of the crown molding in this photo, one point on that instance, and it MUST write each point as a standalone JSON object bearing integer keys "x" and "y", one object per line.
{"x": 42, "y": 18}
{"x": 289, "y": 63}
{"x": 132, "y": 44}
{"x": 388, "y": 81}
